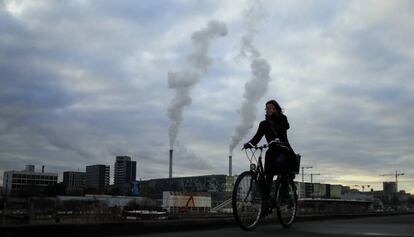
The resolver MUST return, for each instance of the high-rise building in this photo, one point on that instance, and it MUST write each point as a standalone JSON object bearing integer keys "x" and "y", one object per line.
{"x": 74, "y": 181}
{"x": 125, "y": 170}
{"x": 389, "y": 188}
{"x": 16, "y": 182}
{"x": 97, "y": 177}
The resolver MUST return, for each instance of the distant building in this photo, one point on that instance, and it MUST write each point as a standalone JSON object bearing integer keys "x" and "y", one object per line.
{"x": 125, "y": 170}
{"x": 403, "y": 196}
{"x": 216, "y": 185}
{"x": 181, "y": 202}
{"x": 357, "y": 195}
{"x": 110, "y": 201}
{"x": 390, "y": 188}
{"x": 335, "y": 191}
{"x": 309, "y": 189}
{"x": 74, "y": 181}
{"x": 318, "y": 190}
{"x": 378, "y": 194}
{"x": 97, "y": 177}
{"x": 345, "y": 189}
{"x": 27, "y": 181}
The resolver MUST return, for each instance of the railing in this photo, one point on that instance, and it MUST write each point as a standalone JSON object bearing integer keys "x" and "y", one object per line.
{"x": 221, "y": 205}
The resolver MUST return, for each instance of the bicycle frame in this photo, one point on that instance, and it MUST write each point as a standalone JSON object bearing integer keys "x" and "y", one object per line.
{"x": 256, "y": 165}
{"x": 246, "y": 208}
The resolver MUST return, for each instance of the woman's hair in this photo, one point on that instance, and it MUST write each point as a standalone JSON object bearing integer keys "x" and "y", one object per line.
{"x": 277, "y": 106}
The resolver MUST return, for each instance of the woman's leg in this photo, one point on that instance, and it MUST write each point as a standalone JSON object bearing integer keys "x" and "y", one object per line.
{"x": 269, "y": 169}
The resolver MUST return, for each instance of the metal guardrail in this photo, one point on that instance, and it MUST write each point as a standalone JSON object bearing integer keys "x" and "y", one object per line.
{"x": 221, "y": 205}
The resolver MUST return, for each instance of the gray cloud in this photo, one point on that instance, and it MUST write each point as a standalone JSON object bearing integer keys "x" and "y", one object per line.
{"x": 82, "y": 82}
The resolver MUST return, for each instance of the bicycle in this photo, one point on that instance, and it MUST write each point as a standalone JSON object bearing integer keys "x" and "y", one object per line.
{"x": 249, "y": 200}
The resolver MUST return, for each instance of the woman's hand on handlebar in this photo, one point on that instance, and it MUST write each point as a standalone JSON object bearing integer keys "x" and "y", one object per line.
{"x": 248, "y": 146}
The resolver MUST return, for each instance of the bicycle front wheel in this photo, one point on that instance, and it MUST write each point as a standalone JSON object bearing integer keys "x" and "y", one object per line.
{"x": 287, "y": 203}
{"x": 247, "y": 200}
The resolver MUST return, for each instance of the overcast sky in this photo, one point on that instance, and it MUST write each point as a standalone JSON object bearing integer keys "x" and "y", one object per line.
{"x": 83, "y": 81}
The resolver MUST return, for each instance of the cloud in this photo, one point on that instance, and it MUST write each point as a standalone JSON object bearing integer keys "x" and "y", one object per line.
{"x": 83, "y": 82}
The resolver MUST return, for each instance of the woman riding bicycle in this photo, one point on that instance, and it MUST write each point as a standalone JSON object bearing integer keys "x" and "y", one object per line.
{"x": 274, "y": 126}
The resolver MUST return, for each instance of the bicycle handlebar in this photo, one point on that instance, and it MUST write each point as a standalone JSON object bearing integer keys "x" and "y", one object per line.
{"x": 264, "y": 146}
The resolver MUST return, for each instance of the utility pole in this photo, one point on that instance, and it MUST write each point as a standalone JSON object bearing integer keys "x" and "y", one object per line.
{"x": 396, "y": 178}
{"x": 303, "y": 172}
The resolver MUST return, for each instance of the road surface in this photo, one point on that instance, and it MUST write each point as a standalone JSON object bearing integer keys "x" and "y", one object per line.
{"x": 399, "y": 225}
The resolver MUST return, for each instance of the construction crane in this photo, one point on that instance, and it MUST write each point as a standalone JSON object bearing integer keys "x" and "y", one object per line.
{"x": 311, "y": 175}
{"x": 396, "y": 178}
{"x": 303, "y": 172}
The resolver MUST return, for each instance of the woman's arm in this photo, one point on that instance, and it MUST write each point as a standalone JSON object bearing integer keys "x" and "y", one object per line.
{"x": 259, "y": 134}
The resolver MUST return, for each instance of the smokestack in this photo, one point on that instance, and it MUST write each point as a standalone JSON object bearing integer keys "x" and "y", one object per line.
{"x": 43, "y": 168}
{"x": 171, "y": 161}
{"x": 230, "y": 167}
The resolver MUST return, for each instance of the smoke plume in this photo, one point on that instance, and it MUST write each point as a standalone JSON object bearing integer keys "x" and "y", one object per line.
{"x": 182, "y": 82}
{"x": 257, "y": 86}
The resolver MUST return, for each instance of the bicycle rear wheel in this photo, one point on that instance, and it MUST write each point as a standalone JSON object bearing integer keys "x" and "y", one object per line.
{"x": 247, "y": 200}
{"x": 287, "y": 203}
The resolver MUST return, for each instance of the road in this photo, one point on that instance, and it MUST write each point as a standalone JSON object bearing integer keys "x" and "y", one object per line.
{"x": 400, "y": 225}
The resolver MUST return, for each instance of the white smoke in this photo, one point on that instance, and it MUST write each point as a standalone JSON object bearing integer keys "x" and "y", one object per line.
{"x": 182, "y": 81}
{"x": 257, "y": 86}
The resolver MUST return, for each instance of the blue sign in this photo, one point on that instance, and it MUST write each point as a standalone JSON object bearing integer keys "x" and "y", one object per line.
{"x": 135, "y": 188}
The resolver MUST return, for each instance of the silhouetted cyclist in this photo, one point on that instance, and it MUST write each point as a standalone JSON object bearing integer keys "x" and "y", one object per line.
{"x": 274, "y": 126}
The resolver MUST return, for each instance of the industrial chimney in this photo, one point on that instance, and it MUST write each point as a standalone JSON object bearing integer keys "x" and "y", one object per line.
{"x": 230, "y": 168}
{"x": 171, "y": 161}
{"x": 43, "y": 168}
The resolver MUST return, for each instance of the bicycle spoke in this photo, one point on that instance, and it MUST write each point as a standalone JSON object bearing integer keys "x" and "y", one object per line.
{"x": 247, "y": 201}
{"x": 287, "y": 204}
